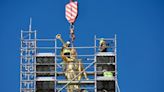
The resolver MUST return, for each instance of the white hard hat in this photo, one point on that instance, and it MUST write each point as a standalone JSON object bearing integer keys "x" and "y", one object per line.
{"x": 68, "y": 42}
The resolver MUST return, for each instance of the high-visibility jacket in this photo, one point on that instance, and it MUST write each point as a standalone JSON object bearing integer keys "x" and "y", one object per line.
{"x": 108, "y": 74}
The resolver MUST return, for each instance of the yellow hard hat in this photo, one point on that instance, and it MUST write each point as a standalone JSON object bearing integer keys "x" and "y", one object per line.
{"x": 101, "y": 40}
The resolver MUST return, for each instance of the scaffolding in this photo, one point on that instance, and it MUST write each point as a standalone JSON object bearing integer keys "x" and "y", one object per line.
{"x": 41, "y": 65}
{"x": 28, "y": 60}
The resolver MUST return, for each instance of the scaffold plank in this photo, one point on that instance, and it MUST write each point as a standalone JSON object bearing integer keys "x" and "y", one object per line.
{"x": 105, "y": 54}
{"x": 75, "y": 82}
{"x": 102, "y": 78}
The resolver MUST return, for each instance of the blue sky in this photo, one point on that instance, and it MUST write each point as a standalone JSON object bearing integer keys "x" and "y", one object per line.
{"x": 139, "y": 25}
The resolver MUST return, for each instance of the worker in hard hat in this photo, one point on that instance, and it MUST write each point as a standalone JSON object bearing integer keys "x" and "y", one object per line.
{"x": 102, "y": 45}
